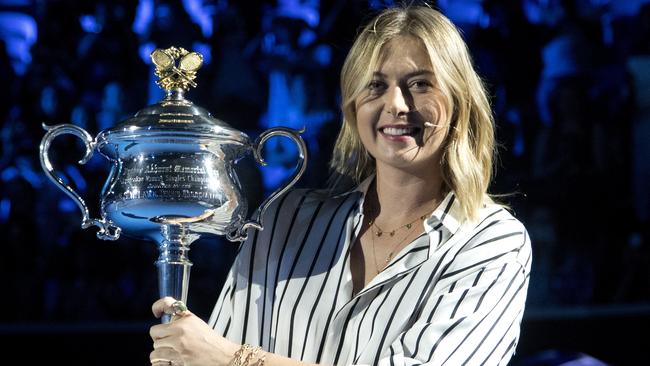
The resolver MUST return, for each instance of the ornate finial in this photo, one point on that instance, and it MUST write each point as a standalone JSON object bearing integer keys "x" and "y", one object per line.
{"x": 172, "y": 77}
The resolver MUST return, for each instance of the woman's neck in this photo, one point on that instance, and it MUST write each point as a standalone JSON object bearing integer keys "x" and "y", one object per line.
{"x": 401, "y": 195}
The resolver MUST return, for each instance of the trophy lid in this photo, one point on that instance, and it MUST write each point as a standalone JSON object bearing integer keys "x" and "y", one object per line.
{"x": 174, "y": 116}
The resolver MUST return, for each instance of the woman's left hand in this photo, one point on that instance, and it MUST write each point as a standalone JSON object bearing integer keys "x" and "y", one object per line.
{"x": 187, "y": 340}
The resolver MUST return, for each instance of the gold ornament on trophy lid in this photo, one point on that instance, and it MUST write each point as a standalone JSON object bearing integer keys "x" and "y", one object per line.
{"x": 176, "y": 67}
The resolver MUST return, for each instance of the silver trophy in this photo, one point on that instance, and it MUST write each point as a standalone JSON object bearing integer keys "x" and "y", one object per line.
{"x": 172, "y": 177}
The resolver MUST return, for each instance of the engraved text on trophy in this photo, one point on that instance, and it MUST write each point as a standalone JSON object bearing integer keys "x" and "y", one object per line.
{"x": 168, "y": 181}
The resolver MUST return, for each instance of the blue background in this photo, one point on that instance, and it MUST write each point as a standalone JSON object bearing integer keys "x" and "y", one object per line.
{"x": 570, "y": 87}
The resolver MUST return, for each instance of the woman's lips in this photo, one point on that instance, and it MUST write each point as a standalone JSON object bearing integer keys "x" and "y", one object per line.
{"x": 399, "y": 132}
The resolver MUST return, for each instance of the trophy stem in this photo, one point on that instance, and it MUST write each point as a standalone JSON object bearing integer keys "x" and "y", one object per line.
{"x": 173, "y": 263}
{"x": 176, "y": 94}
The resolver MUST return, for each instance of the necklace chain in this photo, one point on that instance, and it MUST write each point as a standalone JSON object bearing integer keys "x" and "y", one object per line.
{"x": 409, "y": 226}
{"x": 392, "y": 251}
{"x": 381, "y": 232}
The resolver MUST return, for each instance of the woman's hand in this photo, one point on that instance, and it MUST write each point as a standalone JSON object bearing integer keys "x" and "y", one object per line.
{"x": 187, "y": 340}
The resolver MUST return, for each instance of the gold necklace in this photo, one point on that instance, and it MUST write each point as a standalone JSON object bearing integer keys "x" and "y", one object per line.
{"x": 372, "y": 208}
{"x": 392, "y": 251}
{"x": 408, "y": 225}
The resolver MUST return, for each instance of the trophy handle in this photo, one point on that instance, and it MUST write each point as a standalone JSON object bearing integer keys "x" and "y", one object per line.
{"x": 256, "y": 220}
{"x": 107, "y": 230}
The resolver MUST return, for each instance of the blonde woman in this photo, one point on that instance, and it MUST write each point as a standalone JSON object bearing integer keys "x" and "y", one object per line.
{"x": 416, "y": 265}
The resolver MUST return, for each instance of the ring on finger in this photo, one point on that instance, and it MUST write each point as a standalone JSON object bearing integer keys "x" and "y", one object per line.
{"x": 178, "y": 308}
{"x": 162, "y": 361}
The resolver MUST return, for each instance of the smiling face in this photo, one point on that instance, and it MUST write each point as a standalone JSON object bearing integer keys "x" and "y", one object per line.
{"x": 395, "y": 113}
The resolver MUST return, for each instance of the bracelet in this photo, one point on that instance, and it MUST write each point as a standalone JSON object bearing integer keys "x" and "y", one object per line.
{"x": 261, "y": 360}
{"x": 251, "y": 355}
{"x": 238, "y": 358}
{"x": 245, "y": 354}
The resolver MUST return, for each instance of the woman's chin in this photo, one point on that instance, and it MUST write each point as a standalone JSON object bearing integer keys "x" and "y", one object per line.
{"x": 405, "y": 161}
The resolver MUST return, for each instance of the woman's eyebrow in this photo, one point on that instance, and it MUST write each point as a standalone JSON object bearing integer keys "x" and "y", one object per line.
{"x": 407, "y": 76}
{"x": 419, "y": 73}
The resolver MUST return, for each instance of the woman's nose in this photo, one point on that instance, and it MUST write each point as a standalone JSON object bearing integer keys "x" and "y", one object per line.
{"x": 396, "y": 103}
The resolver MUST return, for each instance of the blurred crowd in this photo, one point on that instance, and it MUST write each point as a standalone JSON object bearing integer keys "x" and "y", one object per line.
{"x": 570, "y": 86}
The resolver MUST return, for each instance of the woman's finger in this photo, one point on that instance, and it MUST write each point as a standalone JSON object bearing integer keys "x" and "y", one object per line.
{"x": 170, "y": 306}
{"x": 163, "y": 306}
{"x": 165, "y": 357}
{"x": 166, "y": 342}
{"x": 160, "y": 331}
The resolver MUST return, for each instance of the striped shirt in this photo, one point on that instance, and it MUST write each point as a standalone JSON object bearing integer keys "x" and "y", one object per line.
{"x": 453, "y": 296}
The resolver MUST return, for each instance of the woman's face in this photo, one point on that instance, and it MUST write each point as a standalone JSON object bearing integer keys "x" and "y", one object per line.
{"x": 392, "y": 112}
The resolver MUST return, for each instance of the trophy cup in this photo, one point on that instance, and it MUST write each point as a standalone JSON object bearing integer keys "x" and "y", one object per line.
{"x": 172, "y": 177}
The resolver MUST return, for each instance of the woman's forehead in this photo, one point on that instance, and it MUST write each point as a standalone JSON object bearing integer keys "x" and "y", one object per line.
{"x": 404, "y": 51}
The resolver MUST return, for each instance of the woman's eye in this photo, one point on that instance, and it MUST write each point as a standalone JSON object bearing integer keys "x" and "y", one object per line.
{"x": 421, "y": 84}
{"x": 376, "y": 86}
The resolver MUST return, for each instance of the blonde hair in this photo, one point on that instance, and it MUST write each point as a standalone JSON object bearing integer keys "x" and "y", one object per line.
{"x": 469, "y": 146}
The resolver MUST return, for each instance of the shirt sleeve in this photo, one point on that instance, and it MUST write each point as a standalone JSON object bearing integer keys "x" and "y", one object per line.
{"x": 475, "y": 319}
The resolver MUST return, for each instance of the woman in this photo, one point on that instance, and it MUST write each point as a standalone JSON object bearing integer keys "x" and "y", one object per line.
{"x": 416, "y": 265}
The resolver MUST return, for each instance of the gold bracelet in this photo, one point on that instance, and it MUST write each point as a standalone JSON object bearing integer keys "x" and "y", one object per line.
{"x": 238, "y": 358}
{"x": 245, "y": 354}
{"x": 261, "y": 360}
{"x": 251, "y": 355}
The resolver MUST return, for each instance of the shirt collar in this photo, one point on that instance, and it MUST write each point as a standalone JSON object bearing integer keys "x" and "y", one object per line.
{"x": 447, "y": 215}
{"x": 361, "y": 190}
{"x": 365, "y": 184}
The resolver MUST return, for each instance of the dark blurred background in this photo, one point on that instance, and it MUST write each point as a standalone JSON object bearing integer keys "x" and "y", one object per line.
{"x": 570, "y": 85}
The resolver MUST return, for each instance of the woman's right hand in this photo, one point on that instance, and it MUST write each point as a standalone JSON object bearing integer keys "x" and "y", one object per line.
{"x": 187, "y": 340}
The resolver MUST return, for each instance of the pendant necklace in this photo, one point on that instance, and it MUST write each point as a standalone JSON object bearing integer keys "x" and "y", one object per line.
{"x": 379, "y": 232}
{"x": 392, "y": 251}
{"x": 376, "y": 231}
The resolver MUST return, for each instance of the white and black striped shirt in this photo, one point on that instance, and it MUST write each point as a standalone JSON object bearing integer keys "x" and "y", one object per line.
{"x": 453, "y": 296}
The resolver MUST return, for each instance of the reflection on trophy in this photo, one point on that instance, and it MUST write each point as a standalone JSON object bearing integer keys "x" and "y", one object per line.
{"x": 172, "y": 177}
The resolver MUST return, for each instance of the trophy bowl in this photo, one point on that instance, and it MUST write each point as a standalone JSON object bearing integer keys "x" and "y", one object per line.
{"x": 172, "y": 176}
